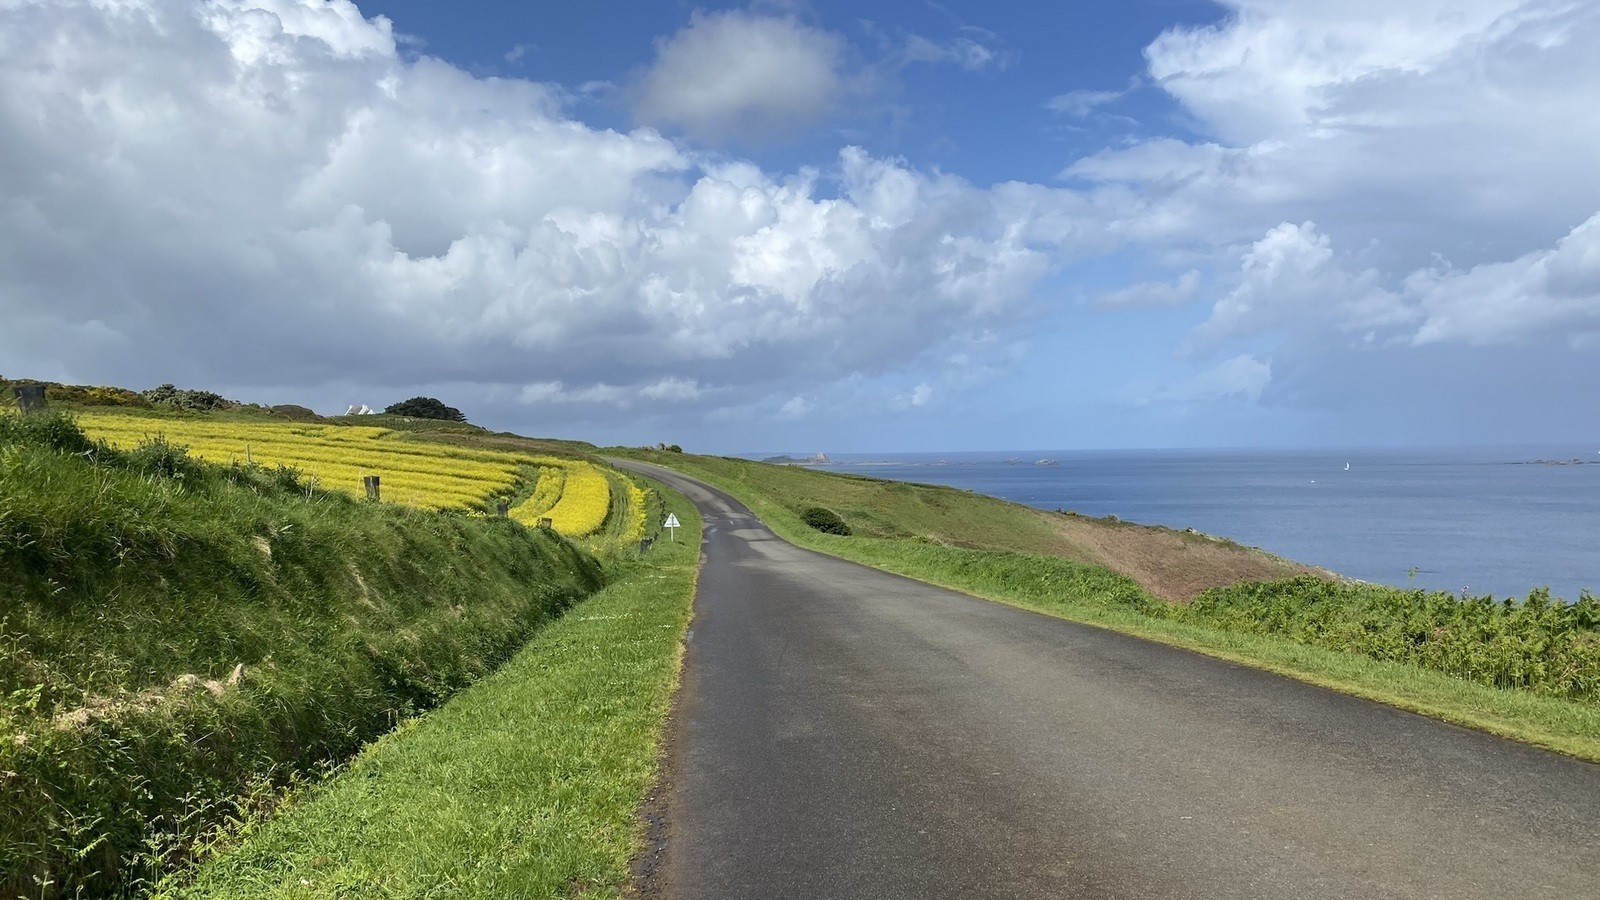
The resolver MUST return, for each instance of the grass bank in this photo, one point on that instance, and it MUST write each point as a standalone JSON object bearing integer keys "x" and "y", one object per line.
{"x": 525, "y": 785}
{"x": 181, "y": 637}
{"x": 1527, "y": 670}
{"x": 1170, "y": 563}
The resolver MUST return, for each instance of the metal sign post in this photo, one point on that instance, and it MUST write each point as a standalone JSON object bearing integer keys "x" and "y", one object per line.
{"x": 672, "y": 525}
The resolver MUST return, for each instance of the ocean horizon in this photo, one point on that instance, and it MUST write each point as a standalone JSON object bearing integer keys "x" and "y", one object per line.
{"x": 1498, "y": 520}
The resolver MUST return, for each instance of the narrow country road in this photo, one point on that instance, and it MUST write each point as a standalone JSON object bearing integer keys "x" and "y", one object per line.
{"x": 843, "y": 733}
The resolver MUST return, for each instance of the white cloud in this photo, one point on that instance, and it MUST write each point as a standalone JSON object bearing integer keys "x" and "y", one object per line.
{"x": 672, "y": 390}
{"x": 269, "y": 194}
{"x": 1435, "y": 145}
{"x": 667, "y": 390}
{"x": 1291, "y": 277}
{"x": 794, "y": 408}
{"x": 1242, "y": 377}
{"x": 1081, "y": 102}
{"x": 1279, "y": 65}
{"x": 742, "y": 74}
{"x": 1152, "y": 294}
{"x": 1548, "y": 293}
{"x": 963, "y": 52}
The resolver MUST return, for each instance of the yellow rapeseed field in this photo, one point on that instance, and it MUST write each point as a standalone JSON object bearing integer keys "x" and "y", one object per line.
{"x": 637, "y": 510}
{"x": 585, "y": 497}
{"x": 332, "y": 457}
{"x": 575, "y": 495}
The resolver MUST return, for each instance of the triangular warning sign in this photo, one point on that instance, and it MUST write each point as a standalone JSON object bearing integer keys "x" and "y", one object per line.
{"x": 672, "y": 521}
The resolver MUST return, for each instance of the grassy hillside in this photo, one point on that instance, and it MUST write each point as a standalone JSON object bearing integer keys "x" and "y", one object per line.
{"x": 1173, "y": 565}
{"x": 178, "y": 636}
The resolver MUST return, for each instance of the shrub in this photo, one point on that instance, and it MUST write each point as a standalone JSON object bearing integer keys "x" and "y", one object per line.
{"x": 160, "y": 458}
{"x": 294, "y": 412}
{"x": 825, "y": 520}
{"x": 425, "y": 408}
{"x": 56, "y": 431}
{"x": 199, "y": 401}
{"x": 1539, "y": 645}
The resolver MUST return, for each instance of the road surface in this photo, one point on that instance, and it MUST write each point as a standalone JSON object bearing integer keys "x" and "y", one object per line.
{"x": 842, "y": 732}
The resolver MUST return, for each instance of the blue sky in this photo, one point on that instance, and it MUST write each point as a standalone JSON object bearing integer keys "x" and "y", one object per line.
{"x": 790, "y": 225}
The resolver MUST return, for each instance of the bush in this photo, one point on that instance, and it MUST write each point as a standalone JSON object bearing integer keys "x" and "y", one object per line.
{"x": 425, "y": 408}
{"x": 294, "y": 412}
{"x": 79, "y": 394}
{"x": 198, "y": 401}
{"x": 1536, "y": 644}
{"x": 825, "y": 520}
{"x": 159, "y": 458}
{"x": 55, "y": 431}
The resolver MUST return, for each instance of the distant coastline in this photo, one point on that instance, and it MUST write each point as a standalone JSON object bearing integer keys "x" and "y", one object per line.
{"x": 1491, "y": 520}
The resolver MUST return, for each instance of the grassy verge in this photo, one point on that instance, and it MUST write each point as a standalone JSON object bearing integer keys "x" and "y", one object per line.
{"x": 525, "y": 785}
{"x": 1096, "y": 596}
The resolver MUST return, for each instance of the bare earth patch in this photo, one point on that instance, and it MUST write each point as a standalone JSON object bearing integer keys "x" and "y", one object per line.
{"x": 1173, "y": 565}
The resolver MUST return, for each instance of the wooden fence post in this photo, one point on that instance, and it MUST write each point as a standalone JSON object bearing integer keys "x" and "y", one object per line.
{"x": 370, "y": 482}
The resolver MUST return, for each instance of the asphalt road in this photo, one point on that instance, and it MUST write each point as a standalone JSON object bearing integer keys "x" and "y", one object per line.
{"x": 842, "y": 732}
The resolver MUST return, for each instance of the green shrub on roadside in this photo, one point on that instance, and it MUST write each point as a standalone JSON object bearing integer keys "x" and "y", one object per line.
{"x": 1538, "y": 645}
{"x": 825, "y": 520}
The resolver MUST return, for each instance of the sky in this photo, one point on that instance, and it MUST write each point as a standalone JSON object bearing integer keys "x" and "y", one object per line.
{"x": 798, "y": 226}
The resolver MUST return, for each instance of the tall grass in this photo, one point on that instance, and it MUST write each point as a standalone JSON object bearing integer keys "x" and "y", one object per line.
{"x": 1535, "y": 644}
{"x": 177, "y": 636}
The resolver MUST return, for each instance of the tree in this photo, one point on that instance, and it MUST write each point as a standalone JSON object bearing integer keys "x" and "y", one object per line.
{"x": 426, "y": 408}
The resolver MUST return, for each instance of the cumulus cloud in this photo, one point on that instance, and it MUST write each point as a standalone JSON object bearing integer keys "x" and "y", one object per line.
{"x": 745, "y": 74}
{"x": 1383, "y": 197}
{"x": 1371, "y": 175}
{"x": 1290, "y": 277}
{"x": 266, "y": 194}
{"x": 1547, "y": 293}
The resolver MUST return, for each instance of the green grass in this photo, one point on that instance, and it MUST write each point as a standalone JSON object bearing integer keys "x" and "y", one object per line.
{"x": 180, "y": 638}
{"x": 873, "y": 507}
{"x": 1097, "y": 596}
{"x": 526, "y": 785}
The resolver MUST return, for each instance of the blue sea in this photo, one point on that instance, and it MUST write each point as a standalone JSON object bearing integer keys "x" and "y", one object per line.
{"x": 1489, "y": 521}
